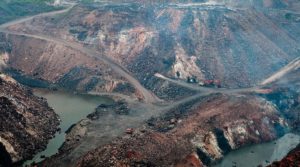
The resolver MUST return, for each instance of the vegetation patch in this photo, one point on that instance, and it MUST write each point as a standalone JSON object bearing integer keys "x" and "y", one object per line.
{"x": 13, "y": 9}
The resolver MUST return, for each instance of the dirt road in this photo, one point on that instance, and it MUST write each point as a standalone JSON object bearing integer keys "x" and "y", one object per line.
{"x": 293, "y": 65}
{"x": 24, "y": 19}
{"x": 144, "y": 110}
{"x": 149, "y": 97}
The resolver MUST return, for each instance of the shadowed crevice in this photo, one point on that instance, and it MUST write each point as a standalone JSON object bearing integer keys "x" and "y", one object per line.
{"x": 5, "y": 159}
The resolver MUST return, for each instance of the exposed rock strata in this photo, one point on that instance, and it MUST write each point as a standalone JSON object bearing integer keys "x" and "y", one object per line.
{"x": 100, "y": 127}
{"x": 207, "y": 130}
{"x": 63, "y": 66}
{"x": 238, "y": 46}
{"x": 26, "y": 122}
{"x": 291, "y": 160}
{"x": 237, "y": 43}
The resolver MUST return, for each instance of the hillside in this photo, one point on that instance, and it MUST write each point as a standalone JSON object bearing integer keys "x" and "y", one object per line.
{"x": 26, "y": 122}
{"x": 196, "y": 134}
{"x": 239, "y": 46}
{"x": 191, "y": 80}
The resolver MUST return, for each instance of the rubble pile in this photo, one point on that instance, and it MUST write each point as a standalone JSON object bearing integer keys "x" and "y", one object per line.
{"x": 26, "y": 122}
{"x": 200, "y": 134}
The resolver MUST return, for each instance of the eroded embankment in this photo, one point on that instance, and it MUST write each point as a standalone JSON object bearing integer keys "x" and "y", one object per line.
{"x": 198, "y": 132}
{"x": 261, "y": 154}
{"x": 71, "y": 108}
{"x": 26, "y": 122}
{"x": 292, "y": 159}
{"x": 62, "y": 65}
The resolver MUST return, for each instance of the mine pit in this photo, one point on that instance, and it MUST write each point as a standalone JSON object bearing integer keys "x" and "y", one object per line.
{"x": 149, "y": 83}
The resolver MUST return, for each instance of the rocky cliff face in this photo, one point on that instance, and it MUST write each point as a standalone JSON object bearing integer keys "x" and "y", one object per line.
{"x": 198, "y": 133}
{"x": 291, "y": 160}
{"x": 26, "y": 122}
{"x": 237, "y": 44}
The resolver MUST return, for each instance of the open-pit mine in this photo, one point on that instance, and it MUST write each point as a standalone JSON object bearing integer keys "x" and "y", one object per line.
{"x": 150, "y": 83}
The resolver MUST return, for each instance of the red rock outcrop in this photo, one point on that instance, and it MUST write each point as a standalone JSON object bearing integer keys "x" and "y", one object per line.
{"x": 291, "y": 160}
{"x": 202, "y": 133}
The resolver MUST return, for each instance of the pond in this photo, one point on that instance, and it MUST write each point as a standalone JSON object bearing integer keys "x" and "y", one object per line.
{"x": 261, "y": 154}
{"x": 71, "y": 108}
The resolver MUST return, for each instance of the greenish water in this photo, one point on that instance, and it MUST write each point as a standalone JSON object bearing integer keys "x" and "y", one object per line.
{"x": 71, "y": 108}
{"x": 261, "y": 154}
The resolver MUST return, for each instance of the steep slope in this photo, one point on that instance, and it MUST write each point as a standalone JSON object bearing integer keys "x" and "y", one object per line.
{"x": 237, "y": 44}
{"x": 291, "y": 160}
{"x": 62, "y": 65}
{"x": 119, "y": 47}
{"x": 26, "y": 122}
{"x": 204, "y": 130}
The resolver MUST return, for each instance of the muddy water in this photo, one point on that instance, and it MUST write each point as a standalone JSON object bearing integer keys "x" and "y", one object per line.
{"x": 71, "y": 108}
{"x": 261, "y": 154}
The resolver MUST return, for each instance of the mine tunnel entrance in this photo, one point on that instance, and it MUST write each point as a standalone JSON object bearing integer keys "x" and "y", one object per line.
{"x": 5, "y": 159}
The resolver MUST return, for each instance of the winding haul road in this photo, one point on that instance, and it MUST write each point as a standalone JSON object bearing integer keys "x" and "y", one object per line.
{"x": 148, "y": 96}
{"x": 24, "y": 19}
{"x": 150, "y": 102}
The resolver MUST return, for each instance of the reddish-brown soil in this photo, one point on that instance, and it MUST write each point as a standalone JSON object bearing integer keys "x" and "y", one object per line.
{"x": 291, "y": 160}
{"x": 208, "y": 129}
{"x": 26, "y": 122}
